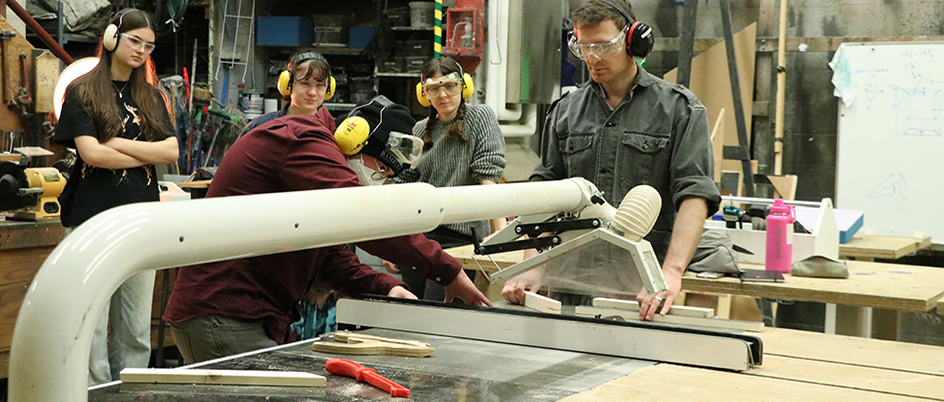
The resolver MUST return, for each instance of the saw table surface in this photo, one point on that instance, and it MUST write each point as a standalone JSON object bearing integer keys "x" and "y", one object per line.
{"x": 799, "y": 367}
{"x": 460, "y": 369}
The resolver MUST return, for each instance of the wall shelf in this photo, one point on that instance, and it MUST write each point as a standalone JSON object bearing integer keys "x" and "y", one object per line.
{"x": 339, "y": 51}
{"x": 410, "y": 29}
{"x": 401, "y": 75}
{"x": 340, "y": 107}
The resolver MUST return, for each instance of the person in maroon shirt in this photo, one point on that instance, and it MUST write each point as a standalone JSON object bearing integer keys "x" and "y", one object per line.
{"x": 224, "y": 308}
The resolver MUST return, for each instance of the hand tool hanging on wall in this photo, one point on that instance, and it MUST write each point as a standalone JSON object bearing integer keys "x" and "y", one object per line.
{"x": 5, "y": 37}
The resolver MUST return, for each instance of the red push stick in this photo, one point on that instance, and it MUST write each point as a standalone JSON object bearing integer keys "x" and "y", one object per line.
{"x": 360, "y": 373}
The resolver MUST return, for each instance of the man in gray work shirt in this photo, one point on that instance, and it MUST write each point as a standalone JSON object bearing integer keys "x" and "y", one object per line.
{"x": 625, "y": 128}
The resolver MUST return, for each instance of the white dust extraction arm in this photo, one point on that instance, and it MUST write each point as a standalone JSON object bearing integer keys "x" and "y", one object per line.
{"x": 52, "y": 338}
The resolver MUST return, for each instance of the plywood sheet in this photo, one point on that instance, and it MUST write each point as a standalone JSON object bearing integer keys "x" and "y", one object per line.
{"x": 671, "y": 383}
{"x": 853, "y": 377}
{"x": 864, "y": 352}
{"x": 863, "y": 246}
{"x": 711, "y": 82}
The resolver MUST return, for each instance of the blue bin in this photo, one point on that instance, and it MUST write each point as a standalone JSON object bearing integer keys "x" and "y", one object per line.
{"x": 359, "y": 37}
{"x": 284, "y": 31}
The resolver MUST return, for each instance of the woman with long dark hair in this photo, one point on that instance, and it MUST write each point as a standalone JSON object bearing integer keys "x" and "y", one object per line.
{"x": 463, "y": 146}
{"x": 117, "y": 121}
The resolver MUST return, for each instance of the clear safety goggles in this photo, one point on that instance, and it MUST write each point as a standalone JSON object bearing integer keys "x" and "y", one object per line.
{"x": 451, "y": 84}
{"x": 407, "y": 148}
{"x": 139, "y": 44}
{"x": 600, "y": 49}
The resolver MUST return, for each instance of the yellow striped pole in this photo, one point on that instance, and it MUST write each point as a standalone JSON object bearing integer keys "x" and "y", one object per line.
{"x": 437, "y": 44}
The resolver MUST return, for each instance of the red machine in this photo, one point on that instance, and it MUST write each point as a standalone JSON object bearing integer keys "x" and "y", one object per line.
{"x": 463, "y": 33}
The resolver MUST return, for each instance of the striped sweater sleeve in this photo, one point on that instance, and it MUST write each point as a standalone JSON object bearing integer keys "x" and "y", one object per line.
{"x": 488, "y": 159}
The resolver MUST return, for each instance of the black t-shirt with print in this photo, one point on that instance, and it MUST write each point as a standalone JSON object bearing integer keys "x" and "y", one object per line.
{"x": 91, "y": 189}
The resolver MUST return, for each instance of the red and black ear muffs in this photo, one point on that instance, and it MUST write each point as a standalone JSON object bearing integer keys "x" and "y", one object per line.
{"x": 639, "y": 39}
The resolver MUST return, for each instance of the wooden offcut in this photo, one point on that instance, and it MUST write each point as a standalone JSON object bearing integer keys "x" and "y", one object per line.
{"x": 347, "y": 343}
{"x": 222, "y": 377}
{"x": 632, "y": 305}
{"x": 540, "y": 303}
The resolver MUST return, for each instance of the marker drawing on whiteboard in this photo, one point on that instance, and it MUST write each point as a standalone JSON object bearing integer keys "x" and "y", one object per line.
{"x": 919, "y": 112}
{"x": 893, "y": 186}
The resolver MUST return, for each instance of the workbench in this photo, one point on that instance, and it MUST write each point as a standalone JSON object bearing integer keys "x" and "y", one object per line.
{"x": 798, "y": 366}
{"x": 24, "y": 245}
{"x": 890, "y": 287}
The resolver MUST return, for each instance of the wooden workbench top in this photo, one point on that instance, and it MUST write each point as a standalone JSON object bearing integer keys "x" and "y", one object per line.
{"x": 870, "y": 284}
{"x": 798, "y": 367}
{"x": 889, "y": 248}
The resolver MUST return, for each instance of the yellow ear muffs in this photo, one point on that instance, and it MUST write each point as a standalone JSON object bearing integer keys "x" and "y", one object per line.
{"x": 285, "y": 85}
{"x": 468, "y": 87}
{"x": 421, "y": 96}
{"x": 330, "y": 92}
{"x": 110, "y": 37}
{"x": 352, "y": 134}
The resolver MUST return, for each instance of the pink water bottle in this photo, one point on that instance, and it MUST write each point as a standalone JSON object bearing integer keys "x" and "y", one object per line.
{"x": 780, "y": 237}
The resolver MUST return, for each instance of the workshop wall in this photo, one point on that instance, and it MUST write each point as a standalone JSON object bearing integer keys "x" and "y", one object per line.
{"x": 810, "y": 122}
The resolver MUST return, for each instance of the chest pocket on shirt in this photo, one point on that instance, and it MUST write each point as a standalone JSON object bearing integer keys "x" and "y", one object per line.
{"x": 576, "y": 150}
{"x": 644, "y": 159}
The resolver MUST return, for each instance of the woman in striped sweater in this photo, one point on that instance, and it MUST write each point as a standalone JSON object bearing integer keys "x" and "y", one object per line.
{"x": 463, "y": 146}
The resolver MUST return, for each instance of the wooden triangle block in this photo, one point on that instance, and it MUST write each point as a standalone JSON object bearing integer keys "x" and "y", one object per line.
{"x": 347, "y": 343}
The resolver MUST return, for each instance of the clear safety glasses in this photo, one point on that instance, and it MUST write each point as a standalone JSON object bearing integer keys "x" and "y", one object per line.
{"x": 139, "y": 44}
{"x": 307, "y": 85}
{"x": 599, "y": 50}
{"x": 450, "y": 84}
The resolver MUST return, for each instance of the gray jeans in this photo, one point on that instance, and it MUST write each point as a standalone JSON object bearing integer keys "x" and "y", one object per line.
{"x": 127, "y": 316}
{"x": 211, "y": 336}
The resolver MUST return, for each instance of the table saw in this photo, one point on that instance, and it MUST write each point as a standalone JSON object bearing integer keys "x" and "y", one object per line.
{"x": 50, "y": 348}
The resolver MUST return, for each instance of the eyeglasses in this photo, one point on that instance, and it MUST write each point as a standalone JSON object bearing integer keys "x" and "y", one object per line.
{"x": 380, "y": 173}
{"x": 449, "y": 85}
{"x": 139, "y": 44}
{"x": 305, "y": 86}
{"x": 599, "y": 50}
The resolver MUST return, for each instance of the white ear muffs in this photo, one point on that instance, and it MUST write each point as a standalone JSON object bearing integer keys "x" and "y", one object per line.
{"x": 110, "y": 37}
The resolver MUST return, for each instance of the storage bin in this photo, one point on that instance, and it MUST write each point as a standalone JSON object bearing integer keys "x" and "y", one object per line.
{"x": 418, "y": 48}
{"x": 284, "y": 31}
{"x": 331, "y": 30}
{"x": 422, "y": 14}
{"x": 415, "y": 64}
{"x": 393, "y": 65}
{"x": 359, "y": 37}
{"x": 398, "y": 17}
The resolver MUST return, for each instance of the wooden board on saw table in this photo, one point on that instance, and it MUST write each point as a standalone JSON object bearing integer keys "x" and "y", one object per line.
{"x": 222, "y": 377}
{"x": 360, "y": 344}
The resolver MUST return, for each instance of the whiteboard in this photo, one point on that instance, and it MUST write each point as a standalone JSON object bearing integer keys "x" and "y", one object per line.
{"x": 890, "y": 156}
